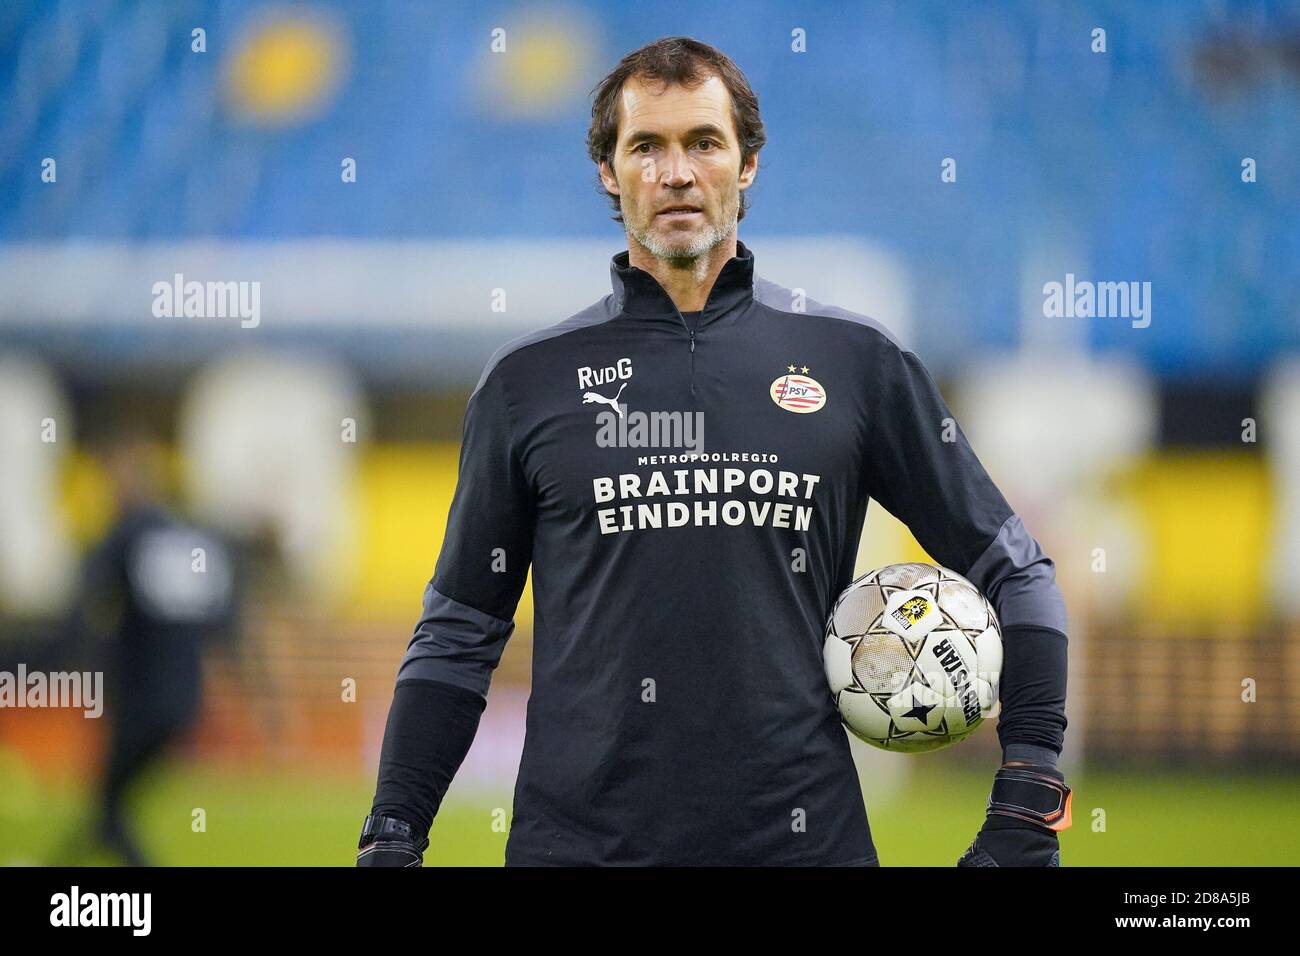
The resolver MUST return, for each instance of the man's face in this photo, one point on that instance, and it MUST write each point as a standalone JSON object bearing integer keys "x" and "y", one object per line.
{"x": 676, "y": 167}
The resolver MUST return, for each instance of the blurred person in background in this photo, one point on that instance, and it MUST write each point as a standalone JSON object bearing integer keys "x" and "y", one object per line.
{"x": 153, "y": 593}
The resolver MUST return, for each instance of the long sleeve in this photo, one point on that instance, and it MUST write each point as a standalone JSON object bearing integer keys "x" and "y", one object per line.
{"x": 469, "y": 607}
{"x": 925, "y": 473}
{"x": 469, "y": 604}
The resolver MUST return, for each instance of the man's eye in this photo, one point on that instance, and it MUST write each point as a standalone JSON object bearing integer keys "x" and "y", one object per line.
{"x": 644, "y": 147}
{"x": 707, "y": 143}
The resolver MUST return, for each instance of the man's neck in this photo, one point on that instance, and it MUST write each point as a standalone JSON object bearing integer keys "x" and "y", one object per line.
{"x": 689, "y": 284}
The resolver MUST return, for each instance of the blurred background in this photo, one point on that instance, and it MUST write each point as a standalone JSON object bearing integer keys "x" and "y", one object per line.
{"x": 382, "y": 193}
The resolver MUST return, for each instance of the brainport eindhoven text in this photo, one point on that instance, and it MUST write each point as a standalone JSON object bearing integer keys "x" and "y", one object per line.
{"x": 739, "y": 509}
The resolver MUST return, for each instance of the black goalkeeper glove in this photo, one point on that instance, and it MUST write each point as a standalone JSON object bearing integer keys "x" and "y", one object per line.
{"x": 1028, "y": 807}
{"x": 388, "y": 841}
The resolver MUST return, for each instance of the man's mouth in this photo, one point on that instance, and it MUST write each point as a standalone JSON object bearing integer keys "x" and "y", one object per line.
{"x": 679, "y": 211}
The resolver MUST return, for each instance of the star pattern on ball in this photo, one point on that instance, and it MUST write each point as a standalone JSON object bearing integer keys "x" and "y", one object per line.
{"x": 920, "y": 710}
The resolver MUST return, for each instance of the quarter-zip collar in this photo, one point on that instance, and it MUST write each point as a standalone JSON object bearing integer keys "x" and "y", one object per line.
{"x": 638, "y": 293}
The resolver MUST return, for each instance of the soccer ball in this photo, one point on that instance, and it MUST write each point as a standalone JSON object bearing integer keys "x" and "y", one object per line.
{"x": 913, "y": 654}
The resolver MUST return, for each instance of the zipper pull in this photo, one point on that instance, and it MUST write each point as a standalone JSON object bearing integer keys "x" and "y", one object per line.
{"x": 692, "y": 340}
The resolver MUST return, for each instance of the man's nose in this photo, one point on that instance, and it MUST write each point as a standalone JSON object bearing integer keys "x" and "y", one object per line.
{"x": 677, "y": 168}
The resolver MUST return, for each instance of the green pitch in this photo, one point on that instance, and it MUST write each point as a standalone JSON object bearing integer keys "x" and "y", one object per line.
{"x": 266, "y": 818}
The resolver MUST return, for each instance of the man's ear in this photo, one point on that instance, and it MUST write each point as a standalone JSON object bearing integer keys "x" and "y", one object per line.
{"x": 607, "y": 177}
{"x": 748, "y": 171}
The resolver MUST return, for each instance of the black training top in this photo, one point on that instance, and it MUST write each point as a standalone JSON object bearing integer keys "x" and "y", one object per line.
{"x": 689, "y": 492}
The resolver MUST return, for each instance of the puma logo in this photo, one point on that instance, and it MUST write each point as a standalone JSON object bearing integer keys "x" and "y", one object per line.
{"x": 589, "y": 397}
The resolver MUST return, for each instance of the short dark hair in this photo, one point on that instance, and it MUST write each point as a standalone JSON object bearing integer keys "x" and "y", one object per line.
{"x": 674, "y": 61}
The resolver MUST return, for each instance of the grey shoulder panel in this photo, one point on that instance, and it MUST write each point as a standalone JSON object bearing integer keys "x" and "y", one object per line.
{"x": 594, "y": 314}
{"x": 780, "y": 299}
{"x": 1020, "y": 580}
{"x": 455, "y": 643}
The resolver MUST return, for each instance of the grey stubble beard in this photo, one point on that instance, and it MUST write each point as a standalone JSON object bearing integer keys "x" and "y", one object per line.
{"x": 695, "y": 255}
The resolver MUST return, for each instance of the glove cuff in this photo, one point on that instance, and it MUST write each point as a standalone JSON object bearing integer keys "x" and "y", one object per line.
{"x": 391, "y": 853}
{"x": 1036, "y": 795}
{"x": 380, "y": 828}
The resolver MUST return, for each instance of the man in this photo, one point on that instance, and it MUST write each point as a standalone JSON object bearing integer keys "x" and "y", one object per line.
{"x": 153, "y": 593}
{"x": 680, "y": 713}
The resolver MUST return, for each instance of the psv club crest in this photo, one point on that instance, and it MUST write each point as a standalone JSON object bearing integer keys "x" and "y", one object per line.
{"x": 796, "y": 392}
